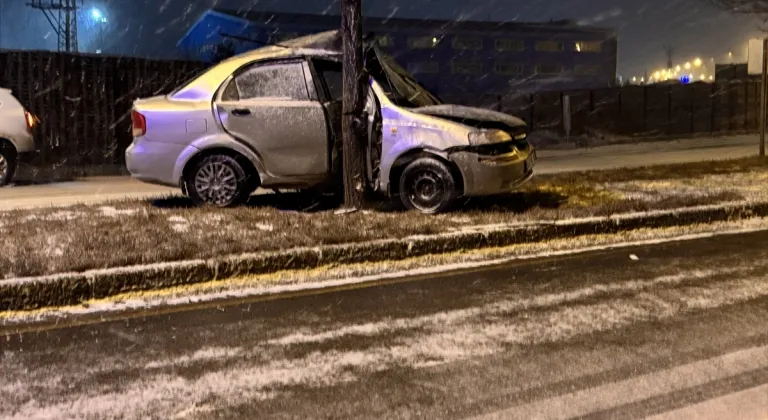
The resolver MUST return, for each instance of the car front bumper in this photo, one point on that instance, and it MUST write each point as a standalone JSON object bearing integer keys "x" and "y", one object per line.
{"x": 489, "y": 175}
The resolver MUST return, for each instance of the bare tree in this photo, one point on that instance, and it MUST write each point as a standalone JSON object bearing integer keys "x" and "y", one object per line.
{"x": 757, "y": 8}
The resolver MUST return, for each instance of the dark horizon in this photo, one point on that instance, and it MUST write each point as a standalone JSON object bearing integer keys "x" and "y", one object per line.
{"x": 643, "y": 29}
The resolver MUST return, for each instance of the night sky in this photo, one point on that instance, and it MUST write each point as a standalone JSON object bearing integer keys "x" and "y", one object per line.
{"x": 152, "y": 27}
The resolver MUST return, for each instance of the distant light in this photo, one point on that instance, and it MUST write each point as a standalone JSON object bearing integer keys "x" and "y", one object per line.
{"x": 677, "y": 68}
{"x": 434, "y": 40}
{"x": 634, "y": 79}
{"x": 98, "y": 15}
{"x": 711, "y": 78}
{"x": 702, "y": 77}
{"x": 642, "y": 79}
{"x": 687, "y": 66}
{"x": 697, "y": 62}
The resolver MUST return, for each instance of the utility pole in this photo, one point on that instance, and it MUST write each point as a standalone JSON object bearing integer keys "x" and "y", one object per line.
{"x": 354, "y": 121}
{"x": 62, "y": 15}
{"x": 763, "y": 96}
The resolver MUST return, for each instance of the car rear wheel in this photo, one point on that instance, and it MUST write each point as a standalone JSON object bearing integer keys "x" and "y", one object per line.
{"x": 427, "y": 185}
{"x": 218, "y": 180}
{"x": 7, "y": 164}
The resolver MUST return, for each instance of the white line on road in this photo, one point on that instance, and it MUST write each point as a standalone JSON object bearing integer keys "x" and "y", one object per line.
{"x": 750, "y": 404}
{"x": 616, "y": 394}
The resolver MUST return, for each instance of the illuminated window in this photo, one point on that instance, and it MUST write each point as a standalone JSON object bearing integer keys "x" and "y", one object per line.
{"x": 549, "y": 69}
{"x": 423, "y": 42}
{"x": 549, "y": 46}
{"x": 589, "y": 46}
{"x": 586, "y": 70}
{"x": 509, "y": 45}
{"x": 384, "y": 41}
{"x": 422, "y": 67}
{"x": 508, "y": 68}
{"x": 467, "y": 43}
{"x": 466, "y": 67}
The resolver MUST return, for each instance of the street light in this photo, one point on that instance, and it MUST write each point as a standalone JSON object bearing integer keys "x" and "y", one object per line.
{"x": 98, "y": 16}
{"x": 697, "y": 62}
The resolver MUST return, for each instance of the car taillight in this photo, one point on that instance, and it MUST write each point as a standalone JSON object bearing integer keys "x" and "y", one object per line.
{"x": 31, "y": 121}
{"x": 139, "y": 124}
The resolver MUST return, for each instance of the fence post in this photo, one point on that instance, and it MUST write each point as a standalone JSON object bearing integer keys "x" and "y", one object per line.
{"x": 713, "y": 105}
{"x": 692, "y": 106}
{"x": 530, "y": 107}
{"x": 669, "y": 110}
{"x": 645, "y": 108}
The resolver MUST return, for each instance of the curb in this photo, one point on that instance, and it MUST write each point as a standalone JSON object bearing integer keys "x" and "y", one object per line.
{"x": 75, "y": 288}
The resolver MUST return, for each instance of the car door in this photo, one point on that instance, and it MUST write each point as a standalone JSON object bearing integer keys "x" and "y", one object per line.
{"x": 330, "y": 87}
{"x": 269, "y": 107}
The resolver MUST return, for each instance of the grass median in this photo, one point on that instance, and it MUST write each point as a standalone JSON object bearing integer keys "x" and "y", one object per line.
{"x": 78, "y": 238}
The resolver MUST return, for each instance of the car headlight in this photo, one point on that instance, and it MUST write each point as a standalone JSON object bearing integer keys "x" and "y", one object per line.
{"x": 481, "y": 137}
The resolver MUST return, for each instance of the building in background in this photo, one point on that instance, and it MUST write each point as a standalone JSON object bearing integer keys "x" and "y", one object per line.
{"x": 736, "y": 72}
{"x": 454, "y": 59}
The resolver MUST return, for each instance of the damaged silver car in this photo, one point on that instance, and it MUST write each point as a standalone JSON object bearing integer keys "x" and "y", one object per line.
{"x": 271, "y": 118}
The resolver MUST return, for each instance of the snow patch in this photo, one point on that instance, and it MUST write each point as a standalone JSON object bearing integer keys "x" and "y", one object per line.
{"x": 265, "y": 227}
{"x": 110, "y": 211}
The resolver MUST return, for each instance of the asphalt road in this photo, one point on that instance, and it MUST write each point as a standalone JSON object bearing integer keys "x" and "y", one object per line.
{"x": 678, "y": 330}
{"x": 98, "y": 190}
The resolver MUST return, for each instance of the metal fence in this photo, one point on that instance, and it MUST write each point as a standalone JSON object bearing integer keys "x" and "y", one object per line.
{"x": 84, "y": 101}
{"x": 642, "y": 111}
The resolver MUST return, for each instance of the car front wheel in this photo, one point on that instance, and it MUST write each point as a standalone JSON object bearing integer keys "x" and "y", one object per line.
{"x": 427, "y": 185}
{"x": 218, "y": 180}
{"x": 7, "y": 165}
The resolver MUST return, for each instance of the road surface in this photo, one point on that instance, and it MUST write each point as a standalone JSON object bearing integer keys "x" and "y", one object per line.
{"x": 675, "y": 330}
{"x": 96, "y": 190}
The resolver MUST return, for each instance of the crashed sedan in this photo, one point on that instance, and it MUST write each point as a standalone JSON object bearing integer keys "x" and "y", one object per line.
{"x": 271, "y": 118}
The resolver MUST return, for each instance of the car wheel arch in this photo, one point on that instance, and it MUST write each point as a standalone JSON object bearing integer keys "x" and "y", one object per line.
{"x": 411, "y": 155}
{"x": 248, "y": 165}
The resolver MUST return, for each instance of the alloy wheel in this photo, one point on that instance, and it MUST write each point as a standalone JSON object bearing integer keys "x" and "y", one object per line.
{"x": 216, "y": 183}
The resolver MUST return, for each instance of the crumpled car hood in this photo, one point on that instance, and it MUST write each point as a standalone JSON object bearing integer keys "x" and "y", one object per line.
{"x": 459, "y": 113}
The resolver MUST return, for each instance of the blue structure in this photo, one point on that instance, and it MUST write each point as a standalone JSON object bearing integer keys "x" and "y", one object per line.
{"x": 454, "y": 59}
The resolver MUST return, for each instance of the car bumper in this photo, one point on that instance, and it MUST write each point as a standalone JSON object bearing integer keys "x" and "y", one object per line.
{"x": 488, "y": 175}
{"x": 153, "y": 162}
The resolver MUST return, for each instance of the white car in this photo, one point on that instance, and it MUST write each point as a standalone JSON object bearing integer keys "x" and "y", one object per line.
{"x": 17, "y": 141}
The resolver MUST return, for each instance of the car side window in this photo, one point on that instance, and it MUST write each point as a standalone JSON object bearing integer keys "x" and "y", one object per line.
{"x": 331, "y": 73}
{"x": 284, "y": 81}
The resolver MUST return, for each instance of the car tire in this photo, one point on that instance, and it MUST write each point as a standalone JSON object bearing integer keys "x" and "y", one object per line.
{"x": 7, "y": 165}
{"x": 428, "y": 185}
{"x": 218, "y": 180}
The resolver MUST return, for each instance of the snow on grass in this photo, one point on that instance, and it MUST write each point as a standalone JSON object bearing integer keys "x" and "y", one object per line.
{"x": 265, "y": 227}
{"x": 60, "y": 215}
{"x": 179, "y": 224}
{"x": 110, "y": 211}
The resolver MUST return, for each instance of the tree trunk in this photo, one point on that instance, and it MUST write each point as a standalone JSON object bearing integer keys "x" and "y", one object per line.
{"x": 353, "y": 123}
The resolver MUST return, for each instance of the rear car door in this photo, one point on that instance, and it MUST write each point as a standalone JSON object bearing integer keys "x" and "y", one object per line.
{"x": 270, "y": 107}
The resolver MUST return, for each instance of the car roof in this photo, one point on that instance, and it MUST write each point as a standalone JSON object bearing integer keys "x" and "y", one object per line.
{"x": 324, "y": 45}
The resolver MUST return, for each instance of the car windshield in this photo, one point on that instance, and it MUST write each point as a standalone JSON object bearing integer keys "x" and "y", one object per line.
{"x": 399, "y": 85}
